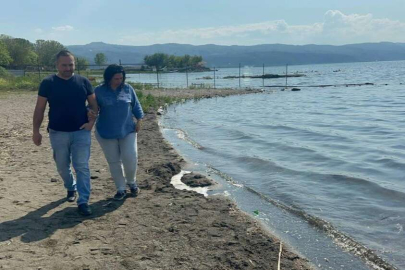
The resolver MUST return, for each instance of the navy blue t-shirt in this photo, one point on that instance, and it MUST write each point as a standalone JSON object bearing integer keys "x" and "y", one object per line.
{"x": 67, "y": 101}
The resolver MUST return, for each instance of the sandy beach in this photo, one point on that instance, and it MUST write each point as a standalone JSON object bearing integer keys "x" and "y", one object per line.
{"x": 163, "y": 228}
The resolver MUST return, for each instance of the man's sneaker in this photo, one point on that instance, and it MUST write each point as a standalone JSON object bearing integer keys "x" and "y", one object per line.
{"x": 135, "y": 191}
{"x": 71, "y": 196}
{"x": 84, "y": 209}
{"x": 120, "y": 195}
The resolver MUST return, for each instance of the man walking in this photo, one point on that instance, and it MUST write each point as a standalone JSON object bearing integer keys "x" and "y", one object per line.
{"x": 69, "y": 128}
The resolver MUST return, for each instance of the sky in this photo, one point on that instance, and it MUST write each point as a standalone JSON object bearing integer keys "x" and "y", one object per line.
{"x": 222, "y": 22}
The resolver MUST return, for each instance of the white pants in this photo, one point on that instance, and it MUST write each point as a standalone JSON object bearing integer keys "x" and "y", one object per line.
{"x": 121, "y": 153}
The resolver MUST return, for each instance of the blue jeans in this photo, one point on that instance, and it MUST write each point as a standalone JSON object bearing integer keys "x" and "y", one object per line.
{"x": 73, "y": 148}
{"x": 121, "y": 153}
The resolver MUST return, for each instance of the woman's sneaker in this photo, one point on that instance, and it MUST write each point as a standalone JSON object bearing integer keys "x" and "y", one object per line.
{"x": 120, "y": 195}
{"x": 71, "y": 196}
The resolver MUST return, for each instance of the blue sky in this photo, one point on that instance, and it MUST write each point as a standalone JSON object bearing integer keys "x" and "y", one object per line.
{"x": 236, "y": 22}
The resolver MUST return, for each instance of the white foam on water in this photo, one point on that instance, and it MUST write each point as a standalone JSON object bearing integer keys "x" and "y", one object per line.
{"x": 181, "y": 134}
{"x": 176, "y": 182}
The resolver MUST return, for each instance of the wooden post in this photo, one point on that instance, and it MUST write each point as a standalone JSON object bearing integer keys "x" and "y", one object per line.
{"x": 286, "y": 73}
{"x": 157, "y": 76}
{"x": 239, "y": 75}
{"x": 187, "y": 76}
{"x": 214, "y": 77}
{"x": 263, "y": 75}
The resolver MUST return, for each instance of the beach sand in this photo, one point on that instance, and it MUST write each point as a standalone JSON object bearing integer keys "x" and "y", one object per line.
{"x": 163, "y": 228}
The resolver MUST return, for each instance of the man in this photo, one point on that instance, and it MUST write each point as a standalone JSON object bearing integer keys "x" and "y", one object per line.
{"x": 69, "y": 128}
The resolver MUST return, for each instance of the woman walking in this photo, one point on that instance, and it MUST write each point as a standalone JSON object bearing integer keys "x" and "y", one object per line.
{"x": 116, "y": 130}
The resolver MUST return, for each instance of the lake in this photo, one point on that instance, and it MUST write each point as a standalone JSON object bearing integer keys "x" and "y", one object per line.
{"x": 324, "y": 166}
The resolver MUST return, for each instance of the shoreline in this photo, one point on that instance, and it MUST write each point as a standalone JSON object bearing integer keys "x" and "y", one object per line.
{"x": 163, "y": 228}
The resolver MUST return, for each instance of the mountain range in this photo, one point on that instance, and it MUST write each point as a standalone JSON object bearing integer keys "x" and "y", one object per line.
{"x": 256, "y": 55}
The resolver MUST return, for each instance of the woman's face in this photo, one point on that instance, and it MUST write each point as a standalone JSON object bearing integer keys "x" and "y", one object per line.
{"x": 116, "y": 80}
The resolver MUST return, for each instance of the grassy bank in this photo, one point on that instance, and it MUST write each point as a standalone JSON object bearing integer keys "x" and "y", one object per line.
{"x": 18, "y": 83}
{"x": 151, "y": 102}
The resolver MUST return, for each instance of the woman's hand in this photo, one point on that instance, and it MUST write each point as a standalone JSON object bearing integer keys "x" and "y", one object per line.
{"x": 91, "y": 115}
{"x": 87, "y": 126}
{"x": 138, "y": 125}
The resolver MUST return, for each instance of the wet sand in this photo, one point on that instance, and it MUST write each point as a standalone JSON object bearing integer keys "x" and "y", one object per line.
{"x": 163, "y": 228}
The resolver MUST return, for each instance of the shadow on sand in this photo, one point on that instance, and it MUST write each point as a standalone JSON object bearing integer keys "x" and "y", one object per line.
{"x": 35, "y": 227}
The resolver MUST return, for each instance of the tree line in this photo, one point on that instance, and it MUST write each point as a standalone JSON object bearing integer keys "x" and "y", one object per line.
{"x": 161, "y": 60}
{"x": 19, "y": 52}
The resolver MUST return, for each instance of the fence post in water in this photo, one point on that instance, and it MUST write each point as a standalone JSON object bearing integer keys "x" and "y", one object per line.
{"x": 214, "y": 77}
{"x": 286, "y": 72}
{"x": 239, "y": 75}
{"x": 187, "y": 76}
{"x": 263, "y": 75}
{"x": 157, "y": 76}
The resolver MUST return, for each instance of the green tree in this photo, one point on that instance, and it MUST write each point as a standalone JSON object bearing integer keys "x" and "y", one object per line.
{"x": 47, "y": 50}
{"x": 5, "y": 58}
{"x": 171, "y": 61}
{"x": 159, "y": 60}
{"x": 82, "y": 63}
{"x": 156, "y": 60}
{"x": 20, "y": 50}
{"x": 186, "y": 60}
{"x": 196, "y": 61}
{"x": 178, "y": 62}
{"x": 100, "y": 59}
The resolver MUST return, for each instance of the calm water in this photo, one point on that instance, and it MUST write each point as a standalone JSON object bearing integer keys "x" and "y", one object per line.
{"x": 324, "y": 166}
{"x": 315, "y": 75}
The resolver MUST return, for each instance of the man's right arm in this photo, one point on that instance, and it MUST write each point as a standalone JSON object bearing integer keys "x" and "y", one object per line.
{"x": 38, "y": 118}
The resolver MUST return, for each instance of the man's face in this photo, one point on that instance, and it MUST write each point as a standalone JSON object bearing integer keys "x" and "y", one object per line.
{"x": 65, "y": 66}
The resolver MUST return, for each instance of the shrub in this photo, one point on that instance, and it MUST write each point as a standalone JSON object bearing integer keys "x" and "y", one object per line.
{"x": 3, "y": 83}
{"x": 19, "y": 83}
{"x": 26, "y": 83}
{"x": 3, "y": 72}
{"x": 151, "y": 102}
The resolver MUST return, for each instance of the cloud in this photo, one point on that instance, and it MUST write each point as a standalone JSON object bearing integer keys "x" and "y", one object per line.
{"x": 38, "y": 30}
{"x": 63, "y": 28}
{"x": 256, "y": 32}
{"x": 362, "y": 28}
{"x": 336, "y": 28}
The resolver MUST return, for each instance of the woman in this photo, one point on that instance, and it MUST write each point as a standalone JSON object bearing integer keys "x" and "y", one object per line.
{"x": 116, "y": 130}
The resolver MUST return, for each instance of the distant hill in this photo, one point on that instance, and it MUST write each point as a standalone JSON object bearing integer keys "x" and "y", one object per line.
{"x": 257, "y": 55}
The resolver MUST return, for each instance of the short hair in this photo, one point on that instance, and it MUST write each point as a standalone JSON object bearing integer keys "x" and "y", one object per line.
{"x": 63, "y": 53}
{"x": 110, "y": 71}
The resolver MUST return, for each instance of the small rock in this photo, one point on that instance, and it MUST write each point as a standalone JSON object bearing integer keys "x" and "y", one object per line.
{"x": 196, "y": 180}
